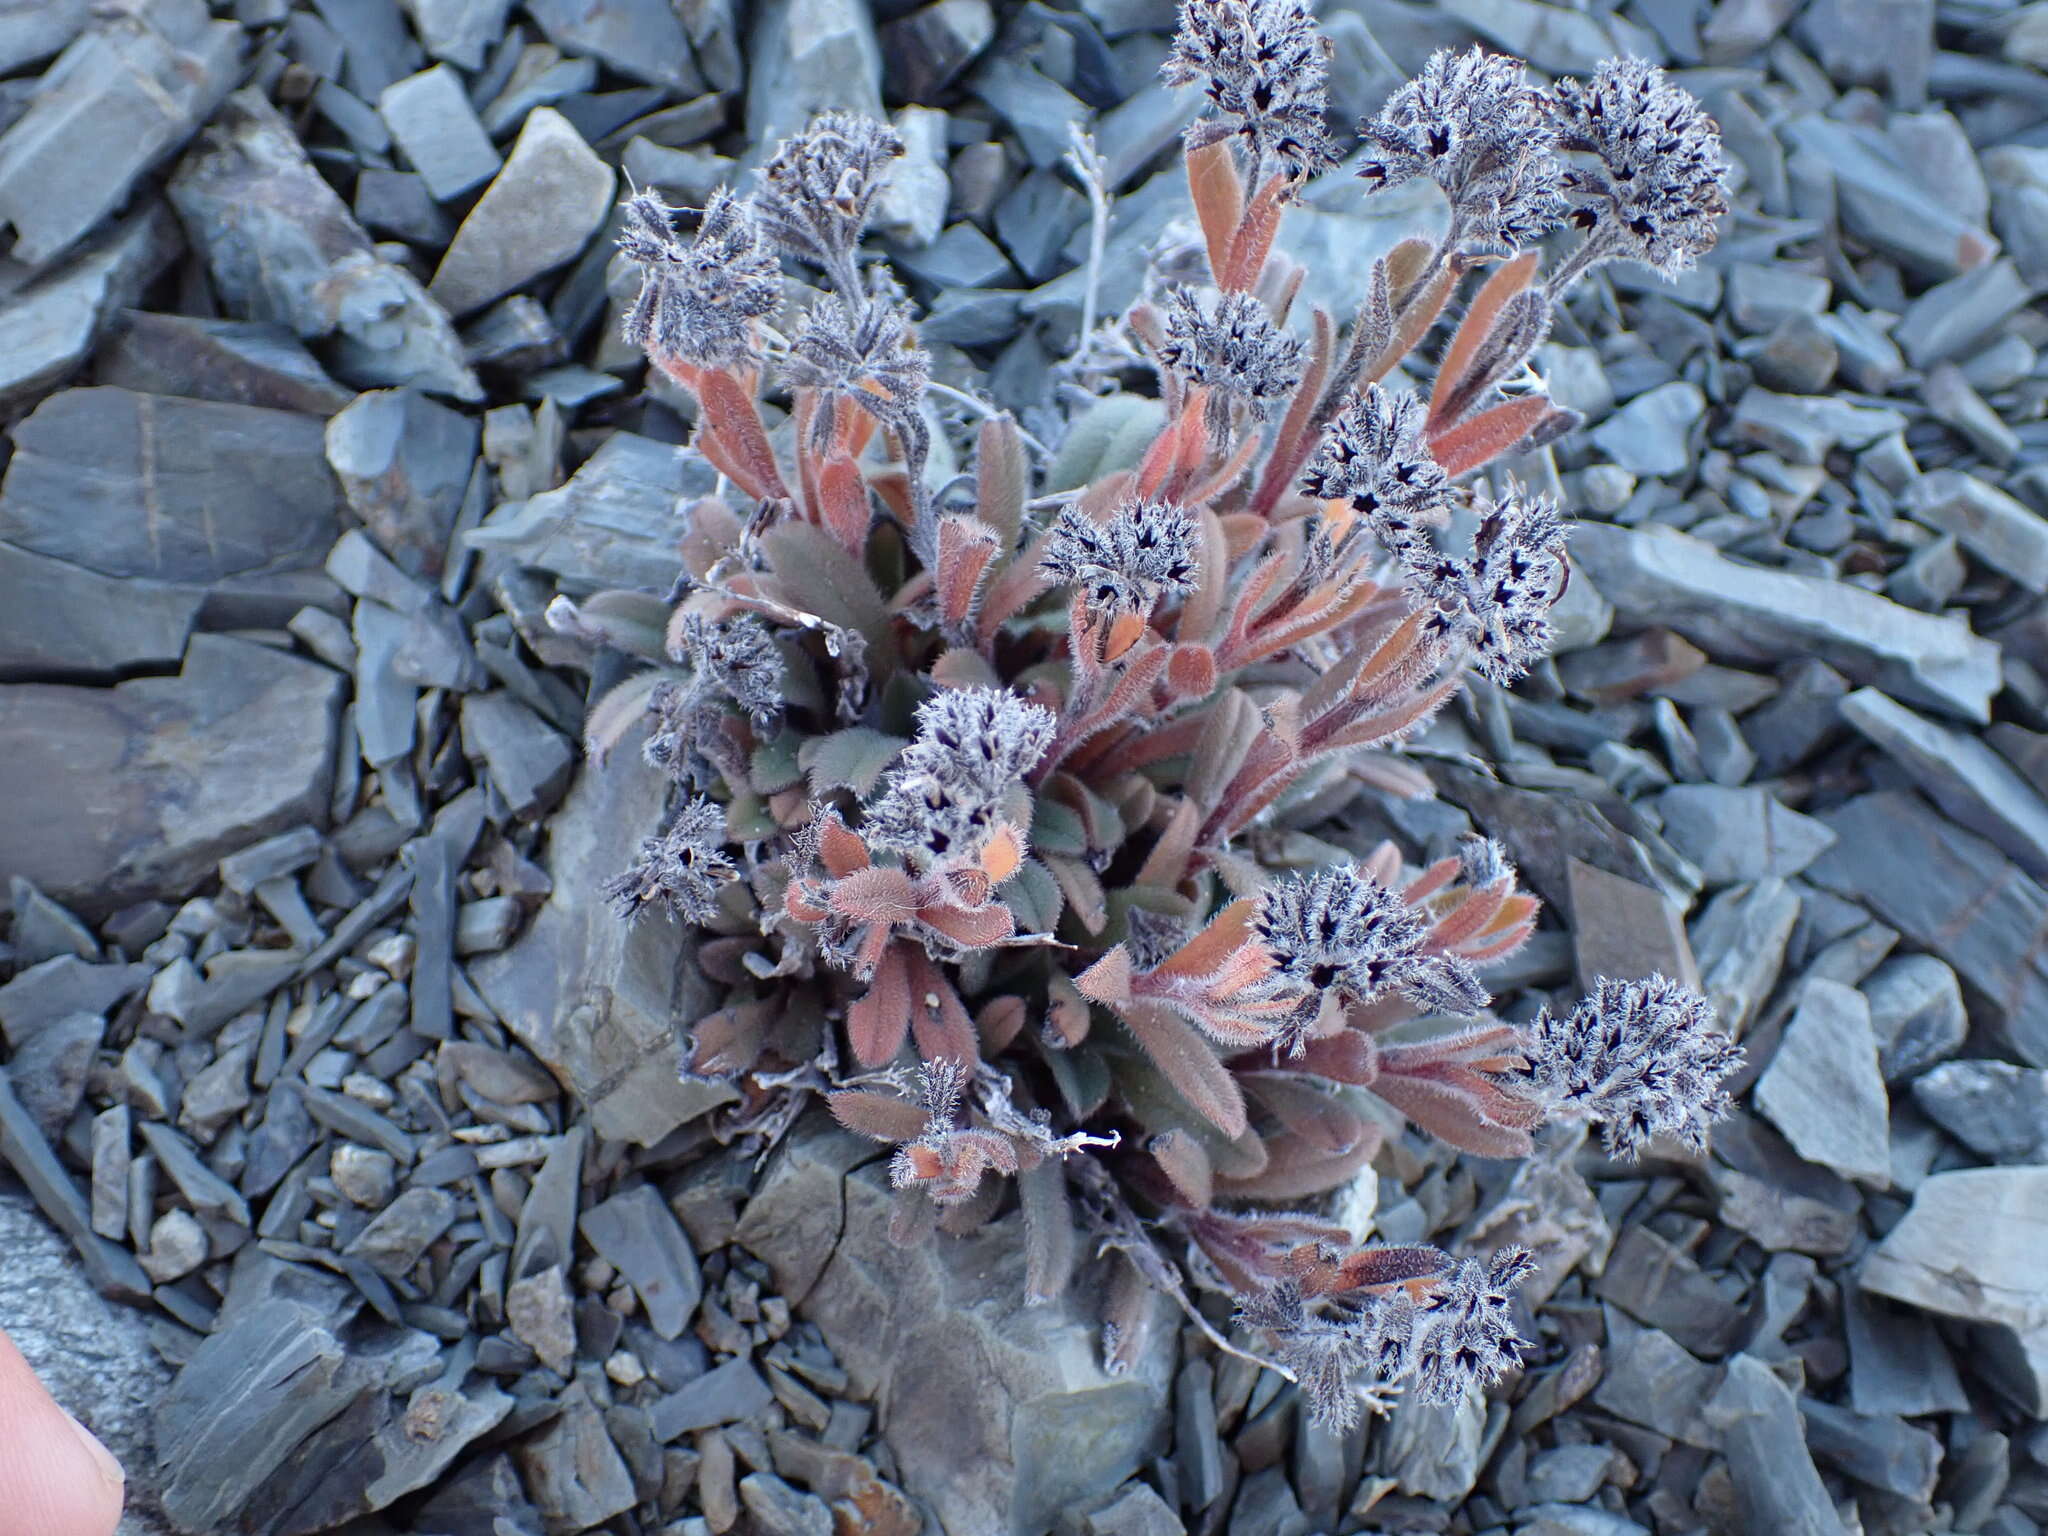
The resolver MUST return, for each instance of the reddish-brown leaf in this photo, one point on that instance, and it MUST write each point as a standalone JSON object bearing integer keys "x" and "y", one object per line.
{"x": 1227, "y": 932}
{"x": 731, "y": 414}
{"x": 966, "y": 546}
{"x": 1452, "y": 1116}
{"x": 878, "y": 1021}
{"x": 1480, "y": 439}
{"x": 1218, "y": 194}
{"x": 1188, "y": 1063}
{"x": 880, "y": 1115}
{"x": 1050, "y": 1242}
{"x": 970, "y": 927}
{"x": 843, "y": 502}
{"x": 1507, "y": 280}
{"x": 1254, "y": 238}
{"x": 1298, "y": 1170}
{"x": 999, "y": 1023}
{"x": 938, "y": 1019}
{"x": 1108, "y": 980}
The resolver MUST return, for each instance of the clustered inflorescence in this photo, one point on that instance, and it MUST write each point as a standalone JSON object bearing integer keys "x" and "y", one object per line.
{"x": 1015, "y": 823}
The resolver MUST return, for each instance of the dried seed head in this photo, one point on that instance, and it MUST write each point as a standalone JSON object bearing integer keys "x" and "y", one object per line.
{"x": 737, "y": 658}
{"x": 1464, "y": 1333}
{"x": 1472, "y": 124}
{"x": 1263, "y": 63}
{"x": 819, "y": 188}
{"x": 682, "y": 868}
{"x": 1233, "y": 349}
{"x": 1326, "y": 1355}
{"x": 1145, "y": 552}
{"x": 1373, "y": 455}
{"x": 1651, "y": 183}
{"x": 1640, "y": 1059}
{"x": 865, "y": 350}
{"x": 698, "y": 302}
{"x": 1339, "y": 928}
{"x": 1482, "y": 861}
{"x": 1496, "y": 604}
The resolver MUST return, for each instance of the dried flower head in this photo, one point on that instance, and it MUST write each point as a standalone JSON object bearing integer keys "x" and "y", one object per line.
{"x": 819, "y": 188}
{"x": 698, "y": 302}
{"x": 737, "y": 658}
{"x": 1234, "y": 350}
{"x": 1473, "y": 125}
{"x": 1145, "y": 552}
{"x": 1340, "y": 929}
{"x": 1464, "y": 1333}
{"x": 1373, "y": 456}
{"x": 1652, "y": 183}
{"x": 945, "y": 794}
{"x": 1638, "y": 1058}
{"x": 682, "y": 868}
{"x": 948, "y": 1159}
{"x": 1263, "y": 63}
{"x": 1327, "y": 1355}
{"x": 1496, "y": 604}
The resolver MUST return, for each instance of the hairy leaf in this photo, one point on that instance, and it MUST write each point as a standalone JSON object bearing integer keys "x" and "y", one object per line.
{"x": 1050, "y": 1241}
{"x": 1002, "y": 478}
{"x": 1189, "y": 1064}
{"x": 850, "y": 759}
{"x": 878, "y": 1022}
{"x": 880, "y": 1115}
{"x": 1185, "y": 1161}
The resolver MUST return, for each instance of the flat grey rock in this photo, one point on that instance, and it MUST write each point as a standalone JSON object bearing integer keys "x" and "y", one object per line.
{"x": 143, "y": 788}
{"x": 539, "y": 212}
{"x": 923, "y": 53}
{"x": 1777, "y": 1487}
{"x": 48, "y": 329}
{"x": 458, "y": 31}
{"x": 403, "y": 462}
{"x": 1872, "y": 190}
{"x": 1748, "y": 613}
{"x": 124, "y": 95}
{"x": 1917, "y": 1012}
{"x": 64, "y": 623}
{"x": 641, "y": 39}
{"x": 432, "y": 122}
{"x": 1044, "y": 1427}
{"x": 34, "y": 30}
{"x": 726, "y": 1394}
{"x": 1973, "y": 1246}
{"x": 1953, "y": 894}
{"x": 613, "y": 524}
{"x": 237, "y": 361}
{"x": 1823, "y": 1088}
{"x": 527, "y": 759}
{"x": 1739, "y": 834}
{"x": 282, "y": 247}
{"x": 598, "y": 1001}
{"x": 1994, "y": 1108}
{"x": 1998, "y": 529}
{"x": 230, "y": 490}
{"x": 805, "y": 57}
{"x": 640, "y": 1237}
{"x": 1652, "y": 434}
{"x": 1740, "y": 940}
{"x": 1956, "y": 318}
{"x": 574, "y": 1472}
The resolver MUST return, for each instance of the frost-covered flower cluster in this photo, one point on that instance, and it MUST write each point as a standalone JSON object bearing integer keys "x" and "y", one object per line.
{"x": 946, "y": 792}
{"x": 698, "y": 301}
{"x": 1145, "y": 551}
{"x": 1231, "y": 348}
{"x": 681, "y": 870}
{"x": 1264, "y": 65}
{"x": 818, "y": 190}
{"x": 1640, "y": 1059}
{"x": 1340, "y": 930}
{"x": 1373, "y": 456}
{"x": 1495, "y": 604}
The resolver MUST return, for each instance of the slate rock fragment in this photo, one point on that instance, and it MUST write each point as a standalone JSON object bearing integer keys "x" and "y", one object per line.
{"x": 48, "y": 328}
{"x": 225, "y": 490}
{"x": 403, "y": 461}
{"x": 1777, "y": 1486}
{"x": 240, "y": 362}
{"x": 143, "y": 788}
{"x": 641, "y": 39}
{"x": 573, "y": 1470}
{"x": 1823, "y": 1088}
{"x": 639, "y": 1236}
{"x": 541, "y": 209}
{"x": 1994, "y": 1108}
{"x": 1917, "y": 1013}
{"x": 432, "y": 122}
{"x": 282, "y": 247}
{"x": 126, "y": 93}
{"x": 63, "y": 623}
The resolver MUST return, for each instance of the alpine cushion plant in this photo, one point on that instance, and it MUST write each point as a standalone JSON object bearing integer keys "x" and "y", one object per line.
{"x": 995, "y": 812}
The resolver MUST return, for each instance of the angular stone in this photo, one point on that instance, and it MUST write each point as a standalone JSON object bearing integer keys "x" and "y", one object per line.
{"x": 1953, "y": 894}
{"x": 1740, "y": 940}
{"x": 537, "y": 1311}
{"x": 639, "y": 1236}
{"x": 1871, "y": 187}
{"x": 1650, "y": 1380}
{"x": 404, "y": 463}
{"x": 616, "y": 522}
{"x": 430, "y": 117}
{"x": 538, "y": 212}
{"x": 282, "y": 247}
{"x": 1956, "y": 318}
{"x": 1804, "y": 429}
{"x": 641, "y": 39}
{"x": 126, "y": 93}
{"x": 1739, "y": 834}
{"x": 459, "y": 31}
{"x": 1626, "y": 930}
{"x": 1044, "y": 1428}
{"x": 1777, "y": 1488}
{"x": 728, "y": 1394}
{"x": 1651, "y": 435}
{"x": 245, "y": 1400}
{"x": 780, "y": 1510}
{"x": 597, "y": 1000}
{"x": 529, "y": 762}
{"x": 1990, "y": 524}
{"x": 1747, "y": 613}
{"x": 393, "y": 1242}
{"x": 227, "y": 490}
{"x": 807, "y": 56}
{"x": 1898, "y": 1363}
{"x": 47, "y": 329}
{"x": 24, "y": 1149}
{"x": 1994, "y": 1108}
{"x": 1823, "y": 1088}
{"x": 573, "y": 1470}
{"x": 923, "y": 52}
{"x": 236, "y": 361}
{"x": 144, "y": 787}
{"x": 64, "y": 623}
{"x": 1917, "y": 1014}
{"x": 1974, "y": 1245}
